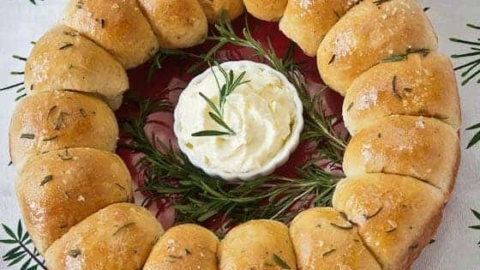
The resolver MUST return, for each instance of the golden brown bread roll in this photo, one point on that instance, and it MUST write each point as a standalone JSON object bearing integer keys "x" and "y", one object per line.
{"x": 423, "y": 86}
{"x": 117, "y": 25}
{"x": 61, "y": 188}
{"x": 323, "y": 240}
{"x": 267, "y": 10}
{"x": 184, "y": 247}
{"x": 419, "y": 147}
{"x": 307, "y": 22}
{"x": 119, "y": 236}
{"x": 367, "y": 34}
{"x": 63, "y": 59}
{"x": 214, "y": 8}
{"x": 57, "y": 120}
{"x": 257, "y": 244}
{"x": 177, "y": 23}
{"x": 397, "y": 215}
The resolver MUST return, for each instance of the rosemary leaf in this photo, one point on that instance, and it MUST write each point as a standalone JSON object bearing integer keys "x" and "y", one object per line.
{"x": 209, "y": 133}
{"x": 280, "y": 262}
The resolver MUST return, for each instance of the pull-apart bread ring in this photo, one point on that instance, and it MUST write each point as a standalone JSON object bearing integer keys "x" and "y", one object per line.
{"x": 57, "y": 120}
{"x": 214, "y": 8}
{"x": 184, "y": 247}
{"x": 419, "y": 147}
{"x": 64, "y": 59}
{"x": 119, "y": 26}
{"x": 257, "y": 244}
{"x": 397, "y": 216}
{"x": 119, "y": 236}
{"x": 323, "y": 240}
{"x": 267, "y": 10}
{"x": 369, "y": 33}
{"x": 59, "y": 189}
{"x": 413, "y": 85}
{"x": 307, "y": 22}
{"x": 177, "y": 23}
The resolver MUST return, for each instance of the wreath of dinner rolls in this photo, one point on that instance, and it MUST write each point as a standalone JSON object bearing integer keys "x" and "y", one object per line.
{"x": 401, "y": 106}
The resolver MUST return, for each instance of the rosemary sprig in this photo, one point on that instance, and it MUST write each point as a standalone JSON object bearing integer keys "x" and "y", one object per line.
{"x": 23, "y": 252}
{"x": 476, "y": 227}
{"x": 20, "y": 88}
{"x": 476, "y": 137}
{"x": 225, "y": 90}
{"x": 471, "y": 68}
{"x": 197, "y": 197}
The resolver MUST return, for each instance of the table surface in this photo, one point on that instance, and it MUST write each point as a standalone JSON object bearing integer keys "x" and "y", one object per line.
{"x": 456, "y": 245}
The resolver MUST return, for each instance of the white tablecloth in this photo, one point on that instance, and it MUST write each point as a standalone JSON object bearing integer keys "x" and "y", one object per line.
{"x": 456, "y": 246}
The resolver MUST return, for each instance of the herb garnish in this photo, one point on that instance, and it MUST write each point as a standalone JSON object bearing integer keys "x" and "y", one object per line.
{"x": 348, "y": 226}
{"x": 225, "y": 90}
{"x": 46, "y": 179}
{"x": 23, "y": 251}
{"x": 402, "y": 57}
{"x": 28, "y": 136}
{"x": 280, "y": 262}
{"x": 471, "y": 71}
{"x": 123, "y": 227}
{"x": 476, "y": 227}
{"x": 329, "y": 252}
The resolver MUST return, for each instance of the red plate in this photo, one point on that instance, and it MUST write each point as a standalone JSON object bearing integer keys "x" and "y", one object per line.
{"x": 173, "y": 78}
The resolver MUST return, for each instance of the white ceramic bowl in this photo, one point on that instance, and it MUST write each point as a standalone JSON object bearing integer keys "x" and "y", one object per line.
{"x": 282, "y": 155}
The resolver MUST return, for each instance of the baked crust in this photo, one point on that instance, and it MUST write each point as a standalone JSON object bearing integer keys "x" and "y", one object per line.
{"x": 119, "y": 236}
{"x": 419, "y": 147}
{"x": 177, "y": 23}
{"x": 267, "y": 10}
{"x": 254, "y": 245}
{"x": 53, "y": 184}
{"x": 56, "y": 120}
{"x": 184, "y": 247}
{"x": 396, "y": 215}
{"x": 323, "y": 239}
{"x": 355, "y": 44}
{"x": 63, "y": 59}
{"x": 214, "y": 8}
{"x": 307, "y": 22}
{"x": 424, "y": 85}
{"x": 117, "y": 25}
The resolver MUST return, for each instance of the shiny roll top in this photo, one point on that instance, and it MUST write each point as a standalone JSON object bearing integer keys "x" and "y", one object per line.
{"x": 401, "y": 107}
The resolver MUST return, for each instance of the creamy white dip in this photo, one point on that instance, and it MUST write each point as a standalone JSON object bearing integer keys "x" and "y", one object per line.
{"x": 265, "y": 113}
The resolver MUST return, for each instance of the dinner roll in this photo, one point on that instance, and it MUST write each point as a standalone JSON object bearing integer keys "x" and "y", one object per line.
{"x": 257, "y": 244}
{"x": 267, "y": 10}
{"x": 63, "y": 59}
{"x": 57, "y": 120}
{"x": 53, "y": 184}
{"x": 419, "y": 147}
{"x": 397, "y": 215}
{"x": 307, "y": 22}
{"x": 117, "y": 25}
{"x": 369, "y": 33}
{"x": 119, "y": 236}
{"x": 416, "y": 85}
{"x": 214, "y": 8}
{"x": 323, "y": 240}
{"x": 177, "y": 23}
{"x": 184, "y": 247}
